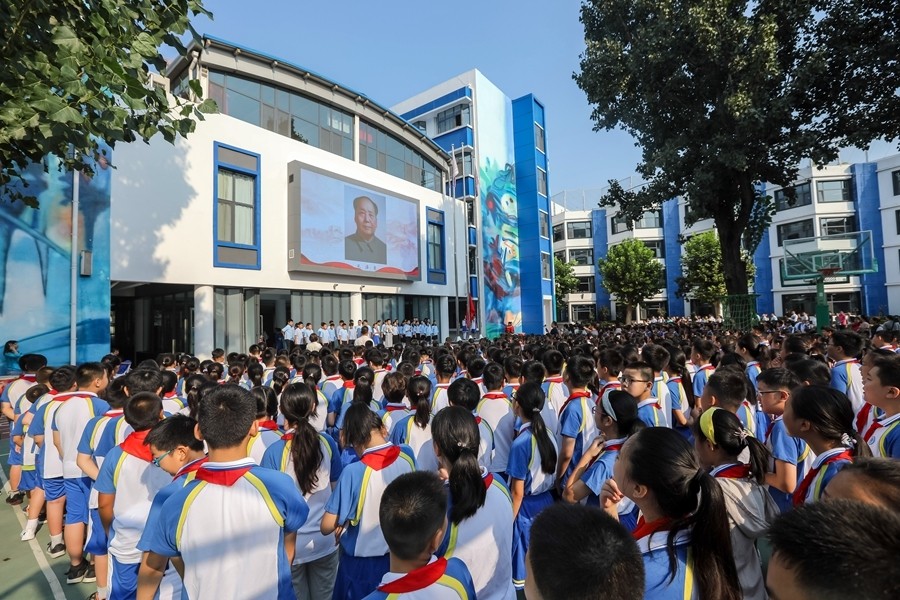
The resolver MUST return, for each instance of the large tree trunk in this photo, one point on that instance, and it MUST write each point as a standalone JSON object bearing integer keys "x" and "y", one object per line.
{"x": 731, "y": 229}
{"x": 629, "y": 309}
{"x": 732, "y": 262}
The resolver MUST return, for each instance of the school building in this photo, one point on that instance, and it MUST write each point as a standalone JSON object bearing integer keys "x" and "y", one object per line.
{"x": 829, "y": 200}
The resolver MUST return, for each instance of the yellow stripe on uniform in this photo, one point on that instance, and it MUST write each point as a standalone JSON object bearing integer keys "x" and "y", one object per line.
{"x": 270, "y": 504}
{"x": 184, "y": 511}
{"x": 689, "y": 576}
{"x": 502, "y": 488}
{"x": 817, "y": 487}
{"x": 285, "y": 455}
{"x": 455, "y": 585}
{"x": 362, "y": 497}
{"x": 881, "y": 447}
{"x": 451, "y": 544}
{"x": 118, "y": 469}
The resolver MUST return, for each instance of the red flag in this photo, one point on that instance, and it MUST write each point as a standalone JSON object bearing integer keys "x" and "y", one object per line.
{"x": 470, "y": 313}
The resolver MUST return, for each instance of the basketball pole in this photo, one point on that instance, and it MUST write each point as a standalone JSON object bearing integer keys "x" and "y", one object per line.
{"x": 823, "y": 316}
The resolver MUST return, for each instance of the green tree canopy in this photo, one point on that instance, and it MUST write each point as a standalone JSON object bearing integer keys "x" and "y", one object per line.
{"x": 565, "y": 283}
{"x": 701, "y": 277}
{"x": 78, "y": 71}
{"x": 723, "y": 95}
{"x": 631, "y": 273}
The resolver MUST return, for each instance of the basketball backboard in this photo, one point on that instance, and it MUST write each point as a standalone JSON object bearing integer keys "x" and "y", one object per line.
{"x": 841, "y": 255}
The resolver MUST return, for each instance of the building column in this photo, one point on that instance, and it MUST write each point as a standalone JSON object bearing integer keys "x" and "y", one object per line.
{"x": 444, "y": 322}
{"x": 356, "y": 306}
{"x": 204, "y": 322}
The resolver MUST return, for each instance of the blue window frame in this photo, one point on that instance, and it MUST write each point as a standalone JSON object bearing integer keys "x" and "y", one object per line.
{"x": 437, "y": 259}
{"x": 236, "y": 208}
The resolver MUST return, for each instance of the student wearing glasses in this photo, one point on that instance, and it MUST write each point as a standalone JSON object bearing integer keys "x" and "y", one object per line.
{"x": 637, "y": 380}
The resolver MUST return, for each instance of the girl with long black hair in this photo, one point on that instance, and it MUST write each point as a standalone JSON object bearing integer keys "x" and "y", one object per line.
{"x": 415, "y": 429}
{"x": 312, "y": 460}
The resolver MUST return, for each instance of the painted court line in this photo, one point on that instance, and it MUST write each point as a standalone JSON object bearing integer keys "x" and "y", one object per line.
{"x": 49, "y": 575}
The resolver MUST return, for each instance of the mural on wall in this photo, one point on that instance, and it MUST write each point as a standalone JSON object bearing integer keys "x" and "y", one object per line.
{"x": 35, "y": 263}
{"x": 501, "y": 292}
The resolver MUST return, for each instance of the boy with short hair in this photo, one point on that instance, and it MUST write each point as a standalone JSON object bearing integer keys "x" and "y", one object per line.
{"x": 882, "y": 390}
{"x": 497, "y": 410}
{"x": 609, "y": 365}
{"x": 413, "y": 517}
{"x": 344, "y": 394}
{"x": 9, "y": 400}
{"x": 125, "y": 487}
{"x": 844, "y": 348}
{"x": 554, "y": 387}
{"x": 475, "y": 368}
{"x": 637, "y": 380}
{"x": 230, "y": 500}
{"x": 701, "y": 353}
{"x": 658, "y": 358}
{"x": 727, "y": 388}
{"x": 444, "y": 368}
{"x": 581, "y": 552}
{"x": 512, "y": 368}
{"x": 576, "y": 427}
{"x": 790, "y": 455}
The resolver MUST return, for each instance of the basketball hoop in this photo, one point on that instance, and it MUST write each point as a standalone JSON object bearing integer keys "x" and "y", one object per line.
{"x": 828, "y": 272}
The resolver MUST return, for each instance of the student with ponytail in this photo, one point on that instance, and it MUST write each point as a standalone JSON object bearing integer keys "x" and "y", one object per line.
{"x": 681, "y": 390}
{"x": 268, "y": 432}
{"x": 720, "y": 439}
{"x": 312, "y": 373}
{"x": 480, "y": 530}
{"x": 683, "y": 531}
{"x": 415, "y": 429}
{"x": 351, "y": 512}
{"x": 823, "y": 418}
{"x": 396, "y": 406}
{"x": 531, "y": 470}
{"x": 312, "y": 460}
{"x": 616, "y": 416}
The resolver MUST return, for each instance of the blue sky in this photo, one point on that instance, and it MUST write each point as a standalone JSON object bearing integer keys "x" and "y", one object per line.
{"x": 392, "y": 49}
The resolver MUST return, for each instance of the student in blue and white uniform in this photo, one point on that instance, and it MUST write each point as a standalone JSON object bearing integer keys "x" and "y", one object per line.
{"x": 30, "y": 482}
{"x": 882, "y": 383}
{"x": 312, "y": 460}
{"x": 844, "y": 348}
{"x": 465, "y": 393}
{"x": 658, "y": 470}
{"x": 576, "y": 427}
{"x": 396, "y": 406}
{"x": 267, "y": 429}
{"x": 496, "y": 409}
{"x": 823, "y": 418}
{"x": 444, "y": 368}
{"x": 617, "y": 419}
{"x": 681, "y": 390}
{"x": 480, "y": 519}
{"x": 230, "y": 498}
{"x": 125, "y": 486}
{"x": 414, "y": 430}
{"x": 531, "y": 469}
{"x": 701, "y": 353}
{"x": 413, "y": 537}
{"x": 352, "y": 510}
{"x": 658, "y": 358}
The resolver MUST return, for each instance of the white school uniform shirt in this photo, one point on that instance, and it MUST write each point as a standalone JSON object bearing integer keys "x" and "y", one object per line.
{"x": 70, "y": 420}
{"x": 134, "y": 482}
{"x": 406, "y": 431}
{"x": 439, "y": 398}
{"x": 323, "y": 335}
{"x": 484, "y": 543}
{"x": 258, "y": 444}
{"x": 496, "y": 409}
{"x": 343, "y": 334}
{"x": 299, "y": 336}
{"x": 51, "y": 463}
{"x": 660, "y": 391}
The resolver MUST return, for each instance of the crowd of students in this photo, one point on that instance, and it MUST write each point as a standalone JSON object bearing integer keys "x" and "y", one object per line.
{"x": 644, "y": 462}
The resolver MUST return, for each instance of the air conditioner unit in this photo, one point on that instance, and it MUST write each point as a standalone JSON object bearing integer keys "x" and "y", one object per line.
{"x": 159, "y": 81}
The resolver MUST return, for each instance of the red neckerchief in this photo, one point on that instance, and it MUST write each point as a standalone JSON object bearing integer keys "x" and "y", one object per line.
{"x": 604, "y": 450}
{"x": 769, "y": 429}
{"x": 573, "y": 396}
{"x": 392, "y": 407}
{"x": 800, "y": 494}
{"x": 288, "y": 436}
{"x": 488, "y": 480}
{"x": 644, "y": 528}
{"x": 170, "y": 395}
{"x": 417, "y": 579}
{"x": 675, "y": 379}
{"x": 557, "y": 379}
{"x": 226, "y": 477}
{"x": 268, "y": 425}
{"x": 115, "y": 412}
{"x": 875, "y": 426}
{"x": 478, "y": 420}
{"x": 615, "y": 385}
{"x": 191, "y": 467}
{"x": 379, "y": 459}
{"x": 494, "y": 396}
{"x": 29, "y": 377}
{"x": 135, "y": 446}
{"x": 66, "y": 396}
{"x": 350, "y": 384}
{"x": 862, "y": 418}
{"x": 738, "y": 471}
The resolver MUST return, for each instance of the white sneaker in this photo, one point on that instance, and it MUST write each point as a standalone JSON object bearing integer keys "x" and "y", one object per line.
{"x": 27, "y": 535}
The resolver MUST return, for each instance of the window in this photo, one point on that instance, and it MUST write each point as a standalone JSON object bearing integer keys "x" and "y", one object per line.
{"x": 236, "y": 213}
{"x": 802, "y": 197}
{"x": 542, "y": 182}
{"x": 420, "y": 125}
{"x": 464, "y": 164}
{"x": 619, "y": 224}
{"x": 276, "y": 109}
{"x": 473, "y": 261}
{"x": 833, "y": 191}
{"x": 546, "y": 267}
{"x": 544, "y": 224}
{"x": 836, "y": 225}
{"x": 437, "y": 267}
{"x": 583, "y": 312}
{"x": 897, "y": 218}
{"x": 470, "y": 213}
{"x": 560, "y": 254}
{"x": 586, "y": 285}
{"x": 582, "y": 256}
{"x": 380, "y": 150}
{"x": 795, "y": 231}
{"x": 454, "y": 117}
{"x": 578, "y": 230}
{"x": 652, "y": 219}
{"x": 539, "y": 138}
{"x": 837, "y": 302}
{"x": 559, "y": 231}
{"x": 895, "y": 180}
{"x": 658, "y": 247}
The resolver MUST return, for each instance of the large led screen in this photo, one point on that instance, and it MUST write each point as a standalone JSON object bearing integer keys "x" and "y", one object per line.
{"x": 345, "y": 226}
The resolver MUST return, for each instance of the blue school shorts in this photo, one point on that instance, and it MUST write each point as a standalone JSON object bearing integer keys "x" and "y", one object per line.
{"x": 123, "y": 580}
{"x": 77, "y": 491}
{"x": 29, "y": 480}
{"x": 98, "y": 541}
{"x": 54, "y": 488}
{"x": 15, "y": 456}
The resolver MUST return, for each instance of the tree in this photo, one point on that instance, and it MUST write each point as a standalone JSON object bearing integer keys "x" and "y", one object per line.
{"x": 631, "y": 274}
{"x": 724, "y": 95}
{"x": 565, "y": 283}
{"x": 78, "y": 72}
{"x": 701, "y": 277}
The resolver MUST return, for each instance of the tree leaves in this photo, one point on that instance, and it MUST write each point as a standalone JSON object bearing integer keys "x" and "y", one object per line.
{"x": 630, "y": 272}
{"x": 76, "y": 71}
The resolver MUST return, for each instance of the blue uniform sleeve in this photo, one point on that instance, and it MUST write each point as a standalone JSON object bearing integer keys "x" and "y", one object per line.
{"x": 4, "y": 395}
{"x": 892, "y": 443}
{"x": 105, "y": 483}
{"x": 84, "y": 444}
{"x": 336, "y": 466}
{"x": 287, "y": 497}
{"x": 596, "y": 475}
{"x": 784, "y": 447}
{"x": 272, "y": 457}
{"x": 398, "y": 432}
{"x": 339, "y": 422}
{"x": 18, "y": 428}
{"x": 100, "y": 406}
{"x": 345, "y": 497}
{"x": 334, "y": 403}
{"x": 519, "y": 455}
{"x": 458, "y": 570}
{"x": 839, "y": 378}
{"x": 699, "y": 382}
{"x": 159, "y": 535}
{"x": 37, "y": 422}
{"x": 570, "y": 421}
{"x": 156, "y": 510}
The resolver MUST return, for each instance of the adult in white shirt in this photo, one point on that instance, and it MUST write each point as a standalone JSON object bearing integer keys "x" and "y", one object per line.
{"x": 287, "y": 333}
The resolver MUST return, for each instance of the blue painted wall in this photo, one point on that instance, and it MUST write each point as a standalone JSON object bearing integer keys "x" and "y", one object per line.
{"x": 671, "y": 230}
{"x": 526, "y": 112}
{"x": 867, "y": 204}
{"x": 463, "y": 92}
{"x": 601, "y": 248}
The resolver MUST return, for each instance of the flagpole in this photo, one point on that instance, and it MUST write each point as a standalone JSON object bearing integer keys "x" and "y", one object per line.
{"x": 453, "y": 171}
